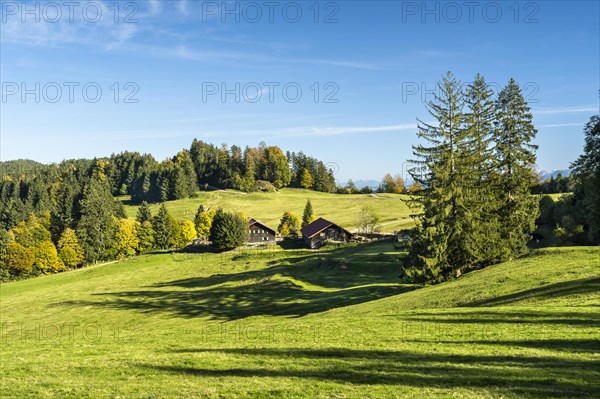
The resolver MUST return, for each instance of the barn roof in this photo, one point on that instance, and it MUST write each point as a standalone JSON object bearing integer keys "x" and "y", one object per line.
{"x": 263, "y": 226}
{"x": 318, "y": 226}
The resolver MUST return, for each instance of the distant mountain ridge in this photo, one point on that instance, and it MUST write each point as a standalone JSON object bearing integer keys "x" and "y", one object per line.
{"x": 554, "y": 173}
{"x": 367, "y": 183}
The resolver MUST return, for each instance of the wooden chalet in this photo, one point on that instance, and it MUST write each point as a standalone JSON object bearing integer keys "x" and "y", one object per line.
{"x": 259, "y": 232}
{"x": 321, "y": 230}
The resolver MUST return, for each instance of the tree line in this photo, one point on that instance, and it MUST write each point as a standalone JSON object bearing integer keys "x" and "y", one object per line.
{"x": 103, "y": 233}
{"x": 29, "y": 187}
{"x": 575, "y": 217}
{"x": 555, "y": 185}
{"x": 82, "y": 228}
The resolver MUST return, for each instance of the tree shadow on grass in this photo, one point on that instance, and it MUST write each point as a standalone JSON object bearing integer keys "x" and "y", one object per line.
{"x": 589, "y": 285}
{"x": 504, "y": 316}
{"x": 231, "y": 303}
{"x": 337, "y": 269}
{"x": 309, "y": 284}
{"x": 563, "y": 345}
{"x": 524, "y": 376}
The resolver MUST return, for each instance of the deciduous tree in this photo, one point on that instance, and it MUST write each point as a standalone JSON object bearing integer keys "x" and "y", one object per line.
{"x": 289, "y": 224}
{"x": 69, "y": 249}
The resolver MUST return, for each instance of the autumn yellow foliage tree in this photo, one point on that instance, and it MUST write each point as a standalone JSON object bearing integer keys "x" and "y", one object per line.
{"x": 289, "y": 224}
{"x": 186, "y": 233}
{"x": 203, "y": 222}
{"x": 70, "y": 250}
{"x": 126, "y": 240}
{"x": 19, "y": 258}
{"x": 46, "y": 258}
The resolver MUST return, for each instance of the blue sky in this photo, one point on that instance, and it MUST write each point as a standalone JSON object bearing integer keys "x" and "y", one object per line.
{"x": 364, "y": 69}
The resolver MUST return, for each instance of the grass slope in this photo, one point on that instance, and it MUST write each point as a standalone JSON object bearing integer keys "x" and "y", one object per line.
{"x": 299, "y": 324}
{"x": 268, "y": 207}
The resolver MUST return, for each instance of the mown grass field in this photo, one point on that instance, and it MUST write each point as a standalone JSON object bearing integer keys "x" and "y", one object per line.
{"x": 269, "y": 207}
{"x": 334, "y": 323}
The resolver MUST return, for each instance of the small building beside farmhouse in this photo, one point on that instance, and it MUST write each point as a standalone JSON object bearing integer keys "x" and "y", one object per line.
{"x": 321, "y": 230}
{"x": 259, "y": 232}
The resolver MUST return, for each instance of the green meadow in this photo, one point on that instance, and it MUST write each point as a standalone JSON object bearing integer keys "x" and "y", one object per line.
{"x": 269, "y": 207}
{"x": 334, "y": 323}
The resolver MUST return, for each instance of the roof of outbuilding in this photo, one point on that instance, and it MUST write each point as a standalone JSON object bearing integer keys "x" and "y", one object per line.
{"x": 318, "y": 226}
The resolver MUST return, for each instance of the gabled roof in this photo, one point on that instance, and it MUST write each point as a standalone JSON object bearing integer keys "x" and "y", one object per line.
{"x": 253, "y": 222}
{"x": 318, "y": 226}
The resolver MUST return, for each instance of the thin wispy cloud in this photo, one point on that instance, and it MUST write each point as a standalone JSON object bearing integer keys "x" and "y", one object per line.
{"x": 144, "y": 39}
{"x": 565, "y": 110}
{"x": 102, "y": 33}
{"x": 563, "y": 124}
{"x": 320, "y": 131}
{"x": 247, "y": 59}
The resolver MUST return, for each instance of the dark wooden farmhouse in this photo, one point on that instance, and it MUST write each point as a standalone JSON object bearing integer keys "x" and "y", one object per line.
{"x": 259, "y": 232}
{"x": 321, "y": 230}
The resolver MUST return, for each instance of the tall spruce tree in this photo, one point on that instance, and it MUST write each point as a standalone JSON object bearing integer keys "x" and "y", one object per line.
{"x": 162, "y": 224}
{"x": 96, "y": 228}
{"x": 481, "y": 200}
{"x": 442, "y": 169}
{"x": 515, "y": 164}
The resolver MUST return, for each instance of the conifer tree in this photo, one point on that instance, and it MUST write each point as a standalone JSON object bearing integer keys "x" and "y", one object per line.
{"x": 144, "y": 214}
{"x": 441, "y": 169}
{"x": 4, "y": 241}
{"x": 96, "y": 228}
{"x": 586, "y": 171}
{"x": 515, "y": 163}
{"x": 228, "y": 230}
{"x": 145, "y": 234}
{"x": 308, "y": 216}
{"x": 162, "y": 224}
{"x": 481, "y": 201}
{"x": 63, "y": 214}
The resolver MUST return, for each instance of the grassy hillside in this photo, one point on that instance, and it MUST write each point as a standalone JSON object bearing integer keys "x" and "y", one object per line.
{"x": 268, "y": 207}
{"x": 329, "y": 324}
